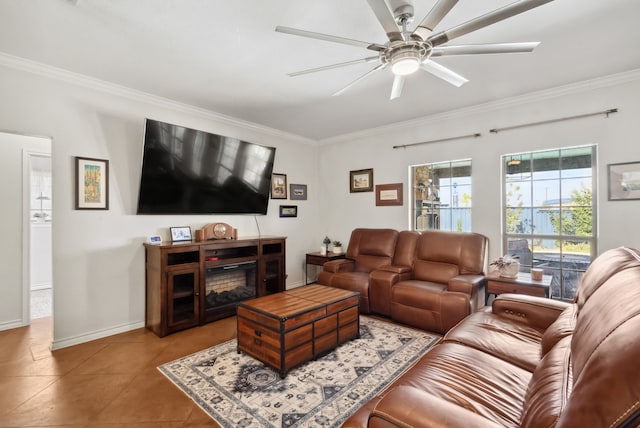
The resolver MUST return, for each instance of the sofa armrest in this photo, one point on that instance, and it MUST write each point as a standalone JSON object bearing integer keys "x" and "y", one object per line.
{"x": 468, "y": 284}
{"x": 400, "y": 270}
{"x": 406, "y": 406}
{"x": 340, "y": 265}
{"x": 539, "y": 312}
{"x": 381, "y": 282}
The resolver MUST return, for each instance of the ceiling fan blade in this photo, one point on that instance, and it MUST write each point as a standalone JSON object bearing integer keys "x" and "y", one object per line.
{"x": 485, "y": 20}
{"x": 329, "y": 67}
{"x": 396, "y": 90}
{"x": 367, "y": 74}
{"x": 330, "y": 38}
{"x": 433, "y": 18}
{"x": 492, "y": 48}
{"x": 386, "y": 19}
{"x": 444, "y": 73}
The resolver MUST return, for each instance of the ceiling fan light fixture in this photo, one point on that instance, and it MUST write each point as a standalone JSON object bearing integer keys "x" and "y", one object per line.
{"x": 405, "y": 63}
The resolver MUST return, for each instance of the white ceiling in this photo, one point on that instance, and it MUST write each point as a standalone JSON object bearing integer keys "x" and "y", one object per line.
{"x": 225, "y": 56}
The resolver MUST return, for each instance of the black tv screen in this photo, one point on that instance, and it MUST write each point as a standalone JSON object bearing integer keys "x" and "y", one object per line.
{"x": 185, "y": 171}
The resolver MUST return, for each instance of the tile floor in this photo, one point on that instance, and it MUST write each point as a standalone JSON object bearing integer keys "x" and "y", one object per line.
{"x": 110, "y": 382}
{"x": 41, "y": 303}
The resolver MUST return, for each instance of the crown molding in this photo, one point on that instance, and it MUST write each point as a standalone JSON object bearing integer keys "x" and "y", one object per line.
{"x": 48, "y": 71}
{"x": 34, "y": 67}
{"x": 543, "y": 95}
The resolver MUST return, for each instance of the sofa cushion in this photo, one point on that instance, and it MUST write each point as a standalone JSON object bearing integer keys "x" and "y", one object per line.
{"x": 473, "y": 379}
{"x": 428, "y": 270}
{"x": 428, "y": 305}
{"x": 516, "y": 343}
{"x": 406, "y": 406}
{"x": 603, "y": 268}
{"x": 380, "y": 242}
{"x": 354, "y": 281}
{"x": 562, "y": 327}
{"x": 605, "y": 345}
{"x": 550, "y": 387}
{"x": 375, "y": 242}
{"x": 366, "y": 263}
{"x": 465, "y": 250}
{"x": 406, "y": 248}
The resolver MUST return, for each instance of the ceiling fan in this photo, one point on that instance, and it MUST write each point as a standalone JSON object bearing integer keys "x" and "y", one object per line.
{"x": 406, "y": 52}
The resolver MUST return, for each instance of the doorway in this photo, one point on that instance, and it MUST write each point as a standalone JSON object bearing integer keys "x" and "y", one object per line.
{"x": 40, "y": 195}
{"x": 16, "y": 155}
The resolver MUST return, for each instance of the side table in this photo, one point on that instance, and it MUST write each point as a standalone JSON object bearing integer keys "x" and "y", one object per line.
{"x": 318, "y": 260}
{"x": 522, "y": 284}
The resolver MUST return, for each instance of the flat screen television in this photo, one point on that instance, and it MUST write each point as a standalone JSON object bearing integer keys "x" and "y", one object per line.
{"x": 185, "y": 171}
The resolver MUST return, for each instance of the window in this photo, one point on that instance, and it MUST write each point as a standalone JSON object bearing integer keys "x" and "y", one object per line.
{"x": 441, "y": 196}
{"x": 549, "y": 213}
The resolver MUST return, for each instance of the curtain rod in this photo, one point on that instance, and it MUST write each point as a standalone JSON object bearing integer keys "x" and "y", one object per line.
{"x": 404, "y": 146}
{"x": 580, "y": 116}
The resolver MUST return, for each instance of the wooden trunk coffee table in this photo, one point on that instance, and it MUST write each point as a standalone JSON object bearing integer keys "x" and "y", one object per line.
{"x": 289, "y": 328}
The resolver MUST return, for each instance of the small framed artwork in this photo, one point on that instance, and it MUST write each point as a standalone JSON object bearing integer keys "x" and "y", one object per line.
{"x": 624, "y": 181}
{"x": 361, "y": 180}
{"x": 92, "y": 184}
{"x": 298, "y": 192}
{"x": 182, "y": 233}
{"x": 288, "y": 211}
{"x": 278, "y": 186}
{"x": 389, "y": 194}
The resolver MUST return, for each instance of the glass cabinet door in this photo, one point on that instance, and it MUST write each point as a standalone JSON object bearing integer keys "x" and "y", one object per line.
{"x": 183, "y": 297}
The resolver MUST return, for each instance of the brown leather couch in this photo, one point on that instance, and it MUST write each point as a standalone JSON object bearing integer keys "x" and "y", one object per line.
{"x": 530, "y": 362}
{"x": 368, "y": 250}
{"x": 447, "y": 282}
{"x": 430, "y": 280}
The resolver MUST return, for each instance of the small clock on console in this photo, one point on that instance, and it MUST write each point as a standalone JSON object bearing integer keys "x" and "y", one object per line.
{"x": 222, "y": 231}
{"x": 216, "y": 231}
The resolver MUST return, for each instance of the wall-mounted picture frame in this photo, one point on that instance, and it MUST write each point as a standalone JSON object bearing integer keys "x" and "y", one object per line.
{"x": 278, "y": 186}
{"x": 288, "y": 211}
{"x": 361, "y": 180}
{"x": 181, "y": 233}
{"x": 624, "y": 181}
{"x": 298, "y": 192}
{"x": 92, "y": 184}
{"x": 389, "y": 194}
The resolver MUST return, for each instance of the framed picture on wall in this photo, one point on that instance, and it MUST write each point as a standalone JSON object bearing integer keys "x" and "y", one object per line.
{"x": 278, "y": 186}
{"x": 389, "y": 194}
{"x": 624, "y": 181}
{"x": 288, "y": 211}
{"x": 92, "y": 184}
{"x": 361, "y": 180}
{"x": 298, "y": 192}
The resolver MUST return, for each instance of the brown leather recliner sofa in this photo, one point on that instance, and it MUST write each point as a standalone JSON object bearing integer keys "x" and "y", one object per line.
{"x": 430, "y": 280}
{"x": 368, "y": 250}
{"x": 530, "y": 362}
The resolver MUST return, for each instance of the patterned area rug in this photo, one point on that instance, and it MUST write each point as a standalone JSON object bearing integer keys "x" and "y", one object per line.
{"x": 237, "y": 390}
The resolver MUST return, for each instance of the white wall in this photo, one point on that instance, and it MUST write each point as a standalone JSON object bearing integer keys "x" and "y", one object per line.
{"x": 617, "y": 138}
{"x": 98, "y": 256}
{"x": 12, "y": 223}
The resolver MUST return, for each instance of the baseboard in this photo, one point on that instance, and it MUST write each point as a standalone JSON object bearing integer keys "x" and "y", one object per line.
{"x": 98, "y": 334}
{"x": 8, "y": 325}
